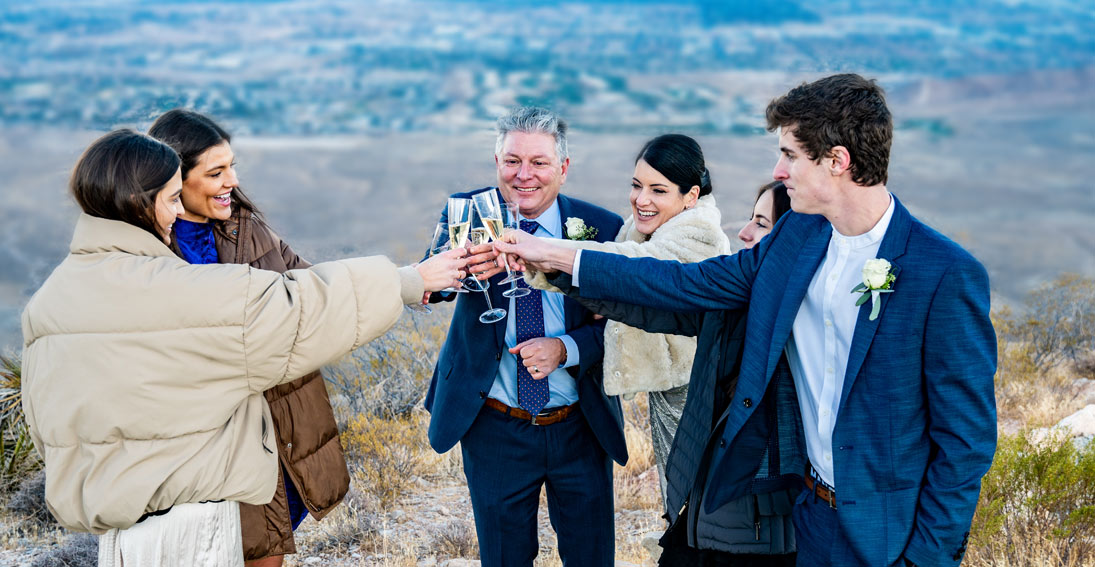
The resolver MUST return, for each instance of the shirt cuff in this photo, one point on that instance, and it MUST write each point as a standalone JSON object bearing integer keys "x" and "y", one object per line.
{"x": 572, "y": 351}
{"x": 577, "y": 261}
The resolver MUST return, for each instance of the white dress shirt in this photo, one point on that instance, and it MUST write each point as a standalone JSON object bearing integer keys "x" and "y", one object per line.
{"x": 821, "y": 337}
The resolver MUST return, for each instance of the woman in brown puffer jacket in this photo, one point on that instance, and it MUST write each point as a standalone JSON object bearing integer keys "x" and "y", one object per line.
{"x": 221, "y": 225}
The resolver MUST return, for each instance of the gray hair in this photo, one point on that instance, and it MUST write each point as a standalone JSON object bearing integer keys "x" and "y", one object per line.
{"x": 533, "y": 119}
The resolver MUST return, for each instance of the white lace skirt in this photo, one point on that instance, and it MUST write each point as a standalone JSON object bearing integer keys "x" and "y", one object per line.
{"x": 199, "y": 535}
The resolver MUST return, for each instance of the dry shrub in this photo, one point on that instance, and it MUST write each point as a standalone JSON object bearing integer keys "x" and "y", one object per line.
{"x": 1038, "y": 400}
{"x": 456, "y": 539}
{"x": 1028, "y": 395}
{"x": 1037, "y": 505}
{"x": 1085, "y": 366}
{"x": 390, "y": 375}
{"x": 1059, "y": 321}
{"x": 386, "y": 454}
{"x": 352, "y": 524}
{"x": 640, "y": 448}
{"x": 29, "y": 500}
{"x": 636, "y": 484}
{"x": 79, "y": 550}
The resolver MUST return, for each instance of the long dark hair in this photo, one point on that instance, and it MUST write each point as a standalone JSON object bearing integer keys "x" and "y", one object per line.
{"x": 191, "y": 134}
{"x": 680, "y": 159}
{"x": 119, "y": 176}
{"x": 781, "y": 202}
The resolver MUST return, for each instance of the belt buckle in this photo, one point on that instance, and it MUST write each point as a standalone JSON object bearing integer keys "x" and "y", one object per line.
{"x": 543, "y": 414}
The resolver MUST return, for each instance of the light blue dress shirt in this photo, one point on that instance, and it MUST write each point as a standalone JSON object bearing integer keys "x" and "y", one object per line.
{"x": 564, "y": 390}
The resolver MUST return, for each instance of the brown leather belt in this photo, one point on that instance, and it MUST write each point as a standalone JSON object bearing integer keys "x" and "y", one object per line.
{"x": 546, "y": 417}
{"x": 818, "y": 486}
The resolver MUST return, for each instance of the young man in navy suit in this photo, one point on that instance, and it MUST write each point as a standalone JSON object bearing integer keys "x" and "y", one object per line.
{"x": 879, "y": 323}
{"x": 523, "y": 396}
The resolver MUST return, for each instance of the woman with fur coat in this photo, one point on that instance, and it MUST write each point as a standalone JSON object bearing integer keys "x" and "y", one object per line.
{"x": 673, "y": 217}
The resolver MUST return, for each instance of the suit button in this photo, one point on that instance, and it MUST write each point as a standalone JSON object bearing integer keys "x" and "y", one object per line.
{"x": 482, "y": 394}
{"x": 722, "y": 442}
{"x": 498, "y": 356}
{"x": 289, "y": 445}
{"x": 747, "y": 403}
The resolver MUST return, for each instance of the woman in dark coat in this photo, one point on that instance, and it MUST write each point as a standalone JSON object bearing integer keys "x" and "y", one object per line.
{"x": 754, "y": 530}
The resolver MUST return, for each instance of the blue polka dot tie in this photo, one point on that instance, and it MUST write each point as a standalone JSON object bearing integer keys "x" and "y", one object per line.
{"x": 531, "y": 394}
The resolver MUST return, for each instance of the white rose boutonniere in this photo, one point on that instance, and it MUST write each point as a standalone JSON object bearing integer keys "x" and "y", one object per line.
{"x": 877, "y": 279}
{"x": 577, "y": 229}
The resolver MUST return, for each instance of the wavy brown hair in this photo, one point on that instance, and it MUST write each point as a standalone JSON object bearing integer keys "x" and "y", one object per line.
{"x": 840, "y": 110}
{"x": 191, "y": 134}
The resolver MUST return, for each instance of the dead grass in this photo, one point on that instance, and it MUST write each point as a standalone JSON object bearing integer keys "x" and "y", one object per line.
{"x": 1027, "y": 396}
{"x": 456, "y": 539}
{"x": 408, "y": 506}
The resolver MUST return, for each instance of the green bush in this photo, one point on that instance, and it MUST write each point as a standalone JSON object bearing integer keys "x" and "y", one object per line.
{"x": 1037, "y": 504}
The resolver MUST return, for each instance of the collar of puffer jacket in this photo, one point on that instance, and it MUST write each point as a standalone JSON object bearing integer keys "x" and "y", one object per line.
{"x": 98, "y": 235}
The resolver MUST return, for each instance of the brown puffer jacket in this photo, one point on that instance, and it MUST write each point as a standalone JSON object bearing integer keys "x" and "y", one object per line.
{"x": 308, "y": 444}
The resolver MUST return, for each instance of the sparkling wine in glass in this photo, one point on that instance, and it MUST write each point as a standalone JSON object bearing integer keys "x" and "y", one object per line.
{"x": 441, "y": 242}
{"x": 496, "y": 218}
{"x": 480, "y": 235}
{"x": 459, "y": 221}
{"x": 513, "y": 222}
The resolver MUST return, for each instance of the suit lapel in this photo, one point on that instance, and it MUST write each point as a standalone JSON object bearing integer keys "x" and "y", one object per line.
{"x": 802, "y": 272}
{"x": 892, "y": 247}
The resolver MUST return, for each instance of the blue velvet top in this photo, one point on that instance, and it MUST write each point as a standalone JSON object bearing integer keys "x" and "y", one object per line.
{"x": 195, "y": 240}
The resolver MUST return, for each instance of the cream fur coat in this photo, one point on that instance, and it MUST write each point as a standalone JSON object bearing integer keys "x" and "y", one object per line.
{"x": 637, "y": 361}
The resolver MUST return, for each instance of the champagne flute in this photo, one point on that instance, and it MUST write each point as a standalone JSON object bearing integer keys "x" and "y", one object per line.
{"x": 440, "y": 243}
{"x": 459, "y": 221}
{"x": 513, "y": 222}
{"x": 512, "y": 218}
{"x": 479, "y": 235}
{"x": 497, "y": 217}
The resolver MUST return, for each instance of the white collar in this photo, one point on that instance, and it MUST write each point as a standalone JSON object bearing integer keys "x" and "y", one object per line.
{"x": 869, "y": 238}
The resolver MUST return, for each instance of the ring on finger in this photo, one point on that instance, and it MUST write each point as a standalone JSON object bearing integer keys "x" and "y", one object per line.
{"x": 535, "y": 369}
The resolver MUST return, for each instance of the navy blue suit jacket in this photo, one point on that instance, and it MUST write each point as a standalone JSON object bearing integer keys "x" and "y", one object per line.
{"x": 469, "y": 358}
{"x": 916, "y": 427}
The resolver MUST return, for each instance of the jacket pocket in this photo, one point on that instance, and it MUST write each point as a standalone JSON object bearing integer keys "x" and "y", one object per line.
{"x": 778, "y": 503}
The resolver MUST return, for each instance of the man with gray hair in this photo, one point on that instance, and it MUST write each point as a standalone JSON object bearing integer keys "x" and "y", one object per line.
{"x": 524, "y": 397}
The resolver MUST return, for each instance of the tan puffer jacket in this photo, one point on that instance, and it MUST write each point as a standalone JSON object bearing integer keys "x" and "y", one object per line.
{"x": 143, "y": 375}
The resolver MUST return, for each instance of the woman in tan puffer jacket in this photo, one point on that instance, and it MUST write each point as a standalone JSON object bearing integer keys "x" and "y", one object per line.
{"x": 143, "y": 375}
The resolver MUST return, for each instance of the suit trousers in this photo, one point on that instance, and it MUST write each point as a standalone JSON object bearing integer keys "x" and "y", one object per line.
{"x": 821, "y": 541}
{"x": 508, "y": 460}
